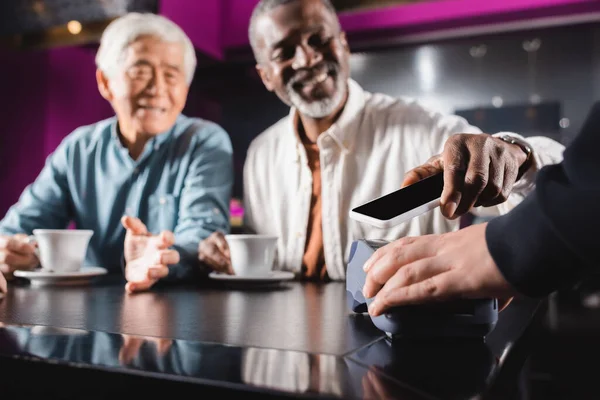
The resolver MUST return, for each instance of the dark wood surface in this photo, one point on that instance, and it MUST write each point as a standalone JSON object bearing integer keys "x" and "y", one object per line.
{"x": 298, "y": 317}
{"x": 251, "y": 338}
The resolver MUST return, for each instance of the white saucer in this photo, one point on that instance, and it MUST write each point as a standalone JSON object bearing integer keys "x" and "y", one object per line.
{"x": 40, "y": 277}
{"x": 274, "y": 276}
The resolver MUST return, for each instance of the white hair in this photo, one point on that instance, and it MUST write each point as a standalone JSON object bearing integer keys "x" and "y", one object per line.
{"x": 124, "y": 30}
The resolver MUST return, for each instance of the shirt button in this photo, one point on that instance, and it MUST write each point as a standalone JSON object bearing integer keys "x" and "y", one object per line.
{"x": 129, "y": 211}
{"x": 162, "y": 201}
{"x": 136, "y": 171}
{"x": 299, "y": 234}
{"x": 156, "y": 146}
{"x": 216, "y": 211}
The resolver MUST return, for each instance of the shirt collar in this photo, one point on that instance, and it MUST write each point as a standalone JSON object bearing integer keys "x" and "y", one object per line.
{"x": 155, "y": 142}
{"x": 342, "y": 132}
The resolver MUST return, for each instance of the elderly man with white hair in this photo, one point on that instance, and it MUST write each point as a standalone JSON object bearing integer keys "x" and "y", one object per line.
{"x": 150, "y": 182}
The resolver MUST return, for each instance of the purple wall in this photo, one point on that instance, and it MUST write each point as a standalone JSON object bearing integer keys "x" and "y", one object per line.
{"x": 201, "y": 20}
{"x": 439, "y": 14}
{"x": 23, "y": 121}
{"x": 45, "y": 96}
{"x": 72, "y": 97}
{"x": 417, "y": 17}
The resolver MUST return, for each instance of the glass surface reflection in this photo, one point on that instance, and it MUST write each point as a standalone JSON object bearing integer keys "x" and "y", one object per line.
{"x": 323, "y": 375}
{"x": 451, "y": 369}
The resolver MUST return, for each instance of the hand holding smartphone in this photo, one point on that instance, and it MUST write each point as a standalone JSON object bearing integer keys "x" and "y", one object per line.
{"x": 401, "y": 205}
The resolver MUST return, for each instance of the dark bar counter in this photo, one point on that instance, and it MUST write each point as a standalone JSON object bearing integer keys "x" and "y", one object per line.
{"x": 288, "y": 340}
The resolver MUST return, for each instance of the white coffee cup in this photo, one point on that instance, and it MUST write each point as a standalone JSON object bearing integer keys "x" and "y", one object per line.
{"x": 62, "y": 250}
{"x": 252, "y": 255}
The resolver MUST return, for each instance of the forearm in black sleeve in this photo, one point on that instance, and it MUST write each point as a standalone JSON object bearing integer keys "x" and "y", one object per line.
{"x": 532, "y": 254}
{"x": 549, "y": 241}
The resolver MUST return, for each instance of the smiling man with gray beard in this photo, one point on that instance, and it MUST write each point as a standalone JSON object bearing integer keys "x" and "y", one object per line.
{"x": 341, "y": 146}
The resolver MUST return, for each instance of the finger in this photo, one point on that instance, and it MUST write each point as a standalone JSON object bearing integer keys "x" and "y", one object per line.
{"x": 18, "y": 244}
{"x": 432, "y": 167}
{"x": 135, "y": 225}
{"x": 158, "y": 272}
{"x": 222, "y": 244}
{"x": 418, "y": 174}
{"x": 476, "y": 179}
{"x": 509, "y": 178}
{"x": 455, "y": 167}
{"x": 211, "y": 255}
{"x": 436, "y": 288}
{"x": 7, "y": 271}
{"x": 163, "y": 346}
{"x": 163, "y": 240}
{"x": 15, "y": 260}
{"x": 492, "y": 193}
{"x": 133, "y": 287}
{"x": 130, "y": 348}
{"x": 402, "y": 252}
{"x": 167, "y": 238}
{"x": 380, "y": 252}
{"x": 220, "y": 264}
{"x": 166, "y": 257}
{"x": 4, "y": 241}
{"x": 410, "y": 274}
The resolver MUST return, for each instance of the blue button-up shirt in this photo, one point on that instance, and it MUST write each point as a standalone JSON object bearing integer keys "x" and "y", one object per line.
{"x": 182, "y": 182}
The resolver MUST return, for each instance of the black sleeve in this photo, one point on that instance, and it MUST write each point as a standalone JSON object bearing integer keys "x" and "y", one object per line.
{"x": 550, "y": 240}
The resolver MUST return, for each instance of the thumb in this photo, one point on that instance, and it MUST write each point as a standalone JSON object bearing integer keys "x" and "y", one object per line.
{"x": 135, "y": 225}
{"x": 411, "y": 177}
{"x": 433, "y": 166}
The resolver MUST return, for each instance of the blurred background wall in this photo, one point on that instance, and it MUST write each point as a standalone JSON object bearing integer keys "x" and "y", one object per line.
{"x": 529, "y": 66}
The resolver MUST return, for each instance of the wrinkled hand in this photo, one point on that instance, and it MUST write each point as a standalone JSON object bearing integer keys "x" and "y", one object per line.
{"x": 214, "y": 252}
{"x": 434, "y": 267}
{"x": 479, "y": 170}
{"x": 16, "y": 254}
{"x": 132, "y": 344}
{"x": 147, "y": 256}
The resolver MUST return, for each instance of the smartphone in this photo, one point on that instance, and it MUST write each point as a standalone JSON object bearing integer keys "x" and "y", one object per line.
{"x": 402, "y": 205}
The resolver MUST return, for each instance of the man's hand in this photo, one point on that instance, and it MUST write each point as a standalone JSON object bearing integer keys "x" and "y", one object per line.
{"x": 132, "y": 344}
{"x": 214, "y": 252}
{"x": 16, "y": 254}
{"x": 147, "y": 256}
{"x": 479, "y": 170}
{"x": 430, "y": 268}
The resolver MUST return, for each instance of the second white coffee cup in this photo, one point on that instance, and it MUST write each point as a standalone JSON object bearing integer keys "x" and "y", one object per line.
{"x": 252, "y": 255}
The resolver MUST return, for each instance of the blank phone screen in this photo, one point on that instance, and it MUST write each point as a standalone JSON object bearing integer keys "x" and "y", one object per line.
{"x": 405, "y": 199}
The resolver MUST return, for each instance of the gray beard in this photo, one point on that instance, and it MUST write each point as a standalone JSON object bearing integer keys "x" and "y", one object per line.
{"x": 321, "y": 108}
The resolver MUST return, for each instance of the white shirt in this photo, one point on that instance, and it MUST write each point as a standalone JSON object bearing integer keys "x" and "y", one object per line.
{"x": 364, "y": 155}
